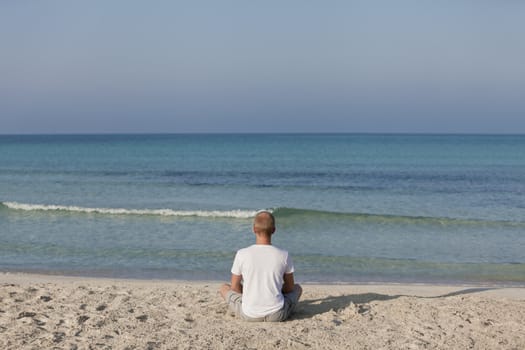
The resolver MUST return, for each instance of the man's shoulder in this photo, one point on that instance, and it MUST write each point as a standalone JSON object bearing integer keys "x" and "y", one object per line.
{"x": 245, "y": 249}
{"x": 280, "y": 250}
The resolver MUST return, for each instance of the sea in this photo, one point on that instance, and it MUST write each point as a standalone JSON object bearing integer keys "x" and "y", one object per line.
{"x": 350, "y": 208}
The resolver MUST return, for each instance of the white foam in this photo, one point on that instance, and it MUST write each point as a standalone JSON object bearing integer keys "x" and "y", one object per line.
{"x": 240, "y": 214}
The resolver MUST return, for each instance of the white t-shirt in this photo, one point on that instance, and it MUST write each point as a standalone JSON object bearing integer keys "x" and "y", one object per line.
{"x": 262, "y": 268}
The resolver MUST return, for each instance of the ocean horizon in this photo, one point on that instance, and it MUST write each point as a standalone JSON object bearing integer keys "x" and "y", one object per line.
{"x": 364, "y": 207}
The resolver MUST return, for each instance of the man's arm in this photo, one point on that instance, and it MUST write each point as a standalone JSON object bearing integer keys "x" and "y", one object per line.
{"x": 289, "y": 283}
{"x": 236, "y": 283}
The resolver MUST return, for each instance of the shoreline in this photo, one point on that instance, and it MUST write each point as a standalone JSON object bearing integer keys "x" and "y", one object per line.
{"x": 417, "y": 289}
{"x": 186, "y": 277}
{"x": 44, "y": 311}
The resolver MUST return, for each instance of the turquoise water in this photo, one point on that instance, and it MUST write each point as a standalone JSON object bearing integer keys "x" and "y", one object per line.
{"x": 350, "y": 208}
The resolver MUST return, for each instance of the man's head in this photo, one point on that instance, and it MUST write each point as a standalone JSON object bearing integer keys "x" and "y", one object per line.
{"x": 264, "y": 223}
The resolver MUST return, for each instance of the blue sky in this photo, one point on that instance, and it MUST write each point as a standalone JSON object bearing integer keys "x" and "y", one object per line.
{"x": 272, "y": 66}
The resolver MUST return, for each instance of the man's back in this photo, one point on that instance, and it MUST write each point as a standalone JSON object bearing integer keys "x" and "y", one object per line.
{"x": 261, "y": 273}
{"x": 262, "y": 268}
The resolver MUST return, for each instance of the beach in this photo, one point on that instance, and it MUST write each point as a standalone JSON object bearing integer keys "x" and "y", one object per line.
{"x": 399, "y": 241}
{"x": 45, "y": 311}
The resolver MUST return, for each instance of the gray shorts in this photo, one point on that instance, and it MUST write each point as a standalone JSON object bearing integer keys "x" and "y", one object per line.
{"x": 291, "y": 299}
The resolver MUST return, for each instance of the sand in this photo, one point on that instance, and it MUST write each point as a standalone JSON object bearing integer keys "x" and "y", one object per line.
{"x": 46, "y": 312}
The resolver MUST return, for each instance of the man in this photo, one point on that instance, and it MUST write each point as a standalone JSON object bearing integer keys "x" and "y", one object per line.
{"x": 262, "y": 283}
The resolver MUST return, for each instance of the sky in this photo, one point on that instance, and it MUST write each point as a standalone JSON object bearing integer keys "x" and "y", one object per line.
{"x": 262, "y": 66}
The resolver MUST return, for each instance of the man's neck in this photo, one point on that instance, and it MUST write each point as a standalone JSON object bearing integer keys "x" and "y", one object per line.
{"x": 263, "y": 240}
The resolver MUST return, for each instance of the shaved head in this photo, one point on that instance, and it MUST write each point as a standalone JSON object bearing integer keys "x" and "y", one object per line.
{"x": 264, "y": 222}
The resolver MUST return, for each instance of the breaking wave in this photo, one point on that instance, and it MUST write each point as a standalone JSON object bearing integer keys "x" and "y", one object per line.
{"x": 290, "y": 214}
{"x": 239, "y": 214}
